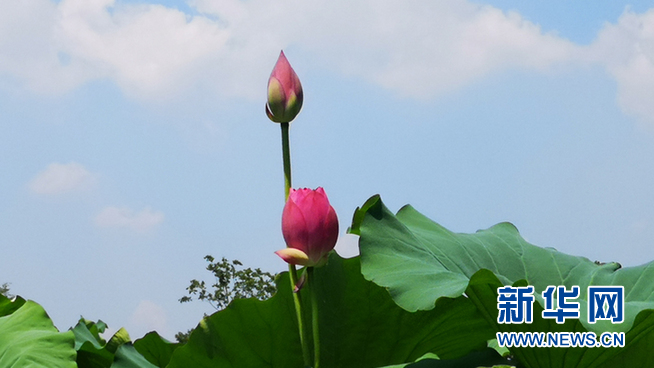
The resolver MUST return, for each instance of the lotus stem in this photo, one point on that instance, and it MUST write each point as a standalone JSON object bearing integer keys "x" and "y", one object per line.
{"x": 314, "y": 317}
{"x": 286, "y": 154}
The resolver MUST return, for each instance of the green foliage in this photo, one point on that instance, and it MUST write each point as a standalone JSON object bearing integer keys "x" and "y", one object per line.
{"x": 478, "y": 359}
{"x": 182, "y": 337}
{"x": 420, "y": 262}
{"x": 232, "y": 281}
{"x": 360, "y": 326}
{"x": 155, "y": 349}
{"x": 28, "y": 337}
{"x": 4, "y": 290}
{"x": 419, "y": 296}
{"x": 93, "y": 351}
{"x": 128, "y": 357}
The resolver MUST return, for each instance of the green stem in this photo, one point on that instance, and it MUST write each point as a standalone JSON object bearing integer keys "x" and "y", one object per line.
{"x": 314, "y": 317}
{"x": 286, "y": 154}
{"x": 300, "y": 320}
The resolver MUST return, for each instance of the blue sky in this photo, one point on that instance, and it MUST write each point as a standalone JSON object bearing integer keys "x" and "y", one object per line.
{"x": 133, "y": 139}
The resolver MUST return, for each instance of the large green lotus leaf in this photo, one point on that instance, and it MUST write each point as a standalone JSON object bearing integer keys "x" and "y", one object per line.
{"x": 8, "y": 306}
{"x": 90, "y": 346}
{"x": 119, "y": 338}
{"x": 94, "y": 352}
{"x": 636, "y": 353}
{"x": 476, "y": 359}
{"x": 420, "y": 262}
{"x": 155, "y": 349}
{"x": 128, "y": 357}
{"x": 360, "y": 326}
{"x": 28, "y": 338}
{"x": 90, "y": 331}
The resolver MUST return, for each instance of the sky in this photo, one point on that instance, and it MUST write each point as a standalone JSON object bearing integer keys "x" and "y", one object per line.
{"x": 133, "y": 138}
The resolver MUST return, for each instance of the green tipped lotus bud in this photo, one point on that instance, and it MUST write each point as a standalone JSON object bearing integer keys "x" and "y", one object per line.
{"x": 284, "y": 92}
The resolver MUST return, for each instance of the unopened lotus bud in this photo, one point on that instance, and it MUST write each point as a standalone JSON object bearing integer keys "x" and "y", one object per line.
{"x": 284, "y": 92}
{"x": 310, "y": 228}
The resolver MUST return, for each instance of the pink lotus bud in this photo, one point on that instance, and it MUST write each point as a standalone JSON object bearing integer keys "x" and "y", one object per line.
{"x": 310, "y": 228}
{"x": 284, "y": 92}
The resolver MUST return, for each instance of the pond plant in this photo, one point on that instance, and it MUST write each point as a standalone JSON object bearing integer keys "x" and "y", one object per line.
{"x": 418, "y": 295}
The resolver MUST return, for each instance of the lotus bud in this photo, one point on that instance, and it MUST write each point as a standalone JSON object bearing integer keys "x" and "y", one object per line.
{"x": 310, "y": 228}
{"x": 284, "y": 92}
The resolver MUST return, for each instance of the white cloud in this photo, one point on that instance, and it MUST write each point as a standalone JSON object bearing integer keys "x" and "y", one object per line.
{"x": 61, "y": 178}
{"x": 149, "y": 316}
{"x": 146, "y": 49}
{"x": 415, "y": 47}
{"x": 27, "y": 49}
{"x": 115, "y": 217}
{"x": 627, "y": 50}
{"x": 150, "y": 51}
